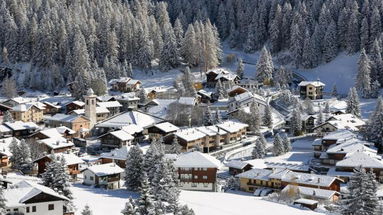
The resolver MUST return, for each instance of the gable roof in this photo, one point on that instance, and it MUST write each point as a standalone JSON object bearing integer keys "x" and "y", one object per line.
{"x": 314, "y": 83}
{"x": 109, "y": 104}
{"x": 26, "y": 190}
{"x": 237, "y": 164}
{"x": 105, "y": 169}
{"x": 189, "y": 134}
{"x": 361, "y": 159}
{"x": 131, "y": 117}
{"x": 121, "y": 135}
{"x": 166, "y": 127}
{"x": 118, "y": 154}
{"x": 196, "y": 160}
{"x": 19, "y": 125}
{"x": 99, "y": 110}
{"x": 65, "y": 117}
{"x": 232, "y": 126}
{"x": 313, "y": 192}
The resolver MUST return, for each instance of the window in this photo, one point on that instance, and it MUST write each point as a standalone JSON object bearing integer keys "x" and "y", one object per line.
{"x": 204, "y": 177}
{"x": 33, "y": 208}
{"x": 204, "y": 169}
{"x": 27, "y": 209}
{"x": 84, "y": 176}
{"x": 194, "y": 185}
{"x": 91, "y": 178}
{"x": 205, "y": 184}
{"x": 16, "y": 210}
{"x": 196, "y": 177}
{"x": 51, "y": 207}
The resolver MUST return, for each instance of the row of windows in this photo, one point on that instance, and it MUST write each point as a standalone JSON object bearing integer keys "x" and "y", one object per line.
{"x": 198, "y": 169}
{"x": 189, "y": 176}
{"x": 33, "y": 209}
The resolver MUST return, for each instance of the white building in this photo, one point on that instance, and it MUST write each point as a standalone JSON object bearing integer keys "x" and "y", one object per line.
{"x": 105, "y": 175}
{"x": 34, "y": 199}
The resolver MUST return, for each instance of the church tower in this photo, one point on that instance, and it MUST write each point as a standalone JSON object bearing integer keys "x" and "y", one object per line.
{"x": 90, "y": 107}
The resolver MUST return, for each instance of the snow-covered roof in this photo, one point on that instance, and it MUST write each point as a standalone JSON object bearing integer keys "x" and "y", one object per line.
{"x": 52, "y": 105}
{"x": 51, "y": 132}
{"x": 26, "y": 106}
{"x": 22, "y": 100}
{"x": 317, "y": 142}
{"x": 211, "y": 130}
{"x": 314, "y": 83}
{"x": 99, "y": 110}
{"x": 287, "y": 165}
{"x": 4, "y": 145}
{"x": 237, "y": 164}
{"x": 161, "y": 109}
{"x": 341, "y": 134}
{"x": 78, "y": 103}
{"x": 309, "y": 179}
{"x": 117, "y": 154}
{"x": 131, "y": 117}
{"x": 126, "y": 80}
{"x": 110, "y": 104}
{"x": 350, "y": 146}
{"x": 232, "y": 126}
{"x": 226, "y": 75}
{"x": 345, "y": 121}
{"x": 64, "y": 130}
{"x": 196, "y": 160}
{"x": 306, "y": 201}
{"x": 189, "y": 134}
{"x": 122, "y": 135}
{"x": 336, "y": 173}
{"x": 132, "y": 129}
{"x": 25, "y": 190}
{"x": 312, "y": 192}
{"x": 218, "y": 71}
{"x": 187, "y": 101}
{"x": 166, "y": 127}
{"x": 63, "y": 117}
{"x": 361, "y": 159}
{"x": 19, "y": 125}
{"x": 105, "y": 169}
{"x": 57, "y": 142}
{"x": 59, "y": 100}
{"x": 260, "y": 174}
{"x": 4, "y": 129}
{"x": 70, "y": 158}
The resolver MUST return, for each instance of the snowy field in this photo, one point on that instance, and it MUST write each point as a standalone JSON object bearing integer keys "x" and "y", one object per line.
{"x": 111, "y": 202}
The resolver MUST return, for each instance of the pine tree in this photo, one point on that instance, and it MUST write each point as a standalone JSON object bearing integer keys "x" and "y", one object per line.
{"x": 374, "y": 126}
{"x": 361, "y": 198}
{"x": 175, "y": 147}
{"x": 220, "y": 90}
{"x": 130, "y": 208}
{"x": 21, "y": 157}
{"x": 134, "y": 168}
{"x": 7, "y": 117}
{"x": 184, "y": 210}
{"x": 240, "y": 68}
{"x": 320, "y": 119}
{"x": 286, "y": 143}
{"x": 363, "y": 80}
{"x": 268, "y": 117}
{"x": 330, "y": 47}
{"x": 334, "y": 92}
{"x": 143, "y": 96}
{"x": 9, "y": 88}
{"x": 218, "y": 118}
{"x": 296, "y": 123}
{"x": 259, "y": 150}
{"x": 278, "y": 145}
{"x": 353, "y": 103}
{"x": 169, "y": 57}
{"x": 255, "y": 117}
{"x": 375, "y": 88}
{"x": 208, "y": 117}
{"x": 86, "y": 211}
{"x": 188, "y": 83}
{"x": 145, "y": 204}
{"x": 152, "y": 157}
{"x": 327, "y": 107}
{"x": 265, "y": 67}
{"x": 2, "y": 201}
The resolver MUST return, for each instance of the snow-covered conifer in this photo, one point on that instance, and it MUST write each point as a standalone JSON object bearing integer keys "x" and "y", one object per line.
{"x": 268, "y": 117}
{"x": 363, "y": 80}
{"x": 7, "y": 117}
{"x": 240, "y": 68}
{"x": 353, "y": 103}
{"x": 87, "y": 211}
{"x": 296, "y": 123}
{"x": 286, "y": 143}
{"x": 265, "y": 67}
{"x": 134, "y": 168}
{"x": 278, "y": 145}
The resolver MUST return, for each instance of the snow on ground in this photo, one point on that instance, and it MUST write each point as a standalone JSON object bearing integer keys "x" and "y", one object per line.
{"x": 100, "y": 201}
{"x": 111, "y": 202}
{"x": 341, "y": 71}
{"x": 208, "y": 203}
{"x": 367, "y": 106}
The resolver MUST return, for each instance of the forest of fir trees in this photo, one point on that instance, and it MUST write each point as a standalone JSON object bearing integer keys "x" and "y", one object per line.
{"x": 91, "y": 42}
{"x": 54, "y": 43}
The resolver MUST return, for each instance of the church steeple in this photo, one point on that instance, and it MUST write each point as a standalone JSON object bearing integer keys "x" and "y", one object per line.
{"x": 90, "y": 107}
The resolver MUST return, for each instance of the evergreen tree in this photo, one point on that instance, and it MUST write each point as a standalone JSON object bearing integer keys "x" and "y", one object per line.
{"x": 286, "y": 143}
{"x": 208, "y": 117}
{"x": 363, "y": 80}
{"x": 130, "y": 208}
{"x": 330, "y": 47}
{"x": 7, "y": 117}
{"x": 218, "y": 118}
{"x": 134, "y": 168}
{"x": 175, "y": 147}
{"x": 320, "y": 119}
{"x": 145, "y": 204}
{"x": 9, "y": 88}
{"x": 375, "y": 88}
{"x": 152, "y": 157}
{"x": 21, "y": 157}
{"x": 374, "y": 126}
{"x": 327, "y": 107}
{"x": 268, "y": 117}
{"x": 255, "y": 118}
{"x": 334, "y": 92}
{"x": 143, "y": 96}
{"x": 361, "y": 198}
{"x": 2, "y": 201}
{"x": 86, "y": 211}
{"x": 278, "y": 145}
{"x": 240, "y": 68}
{"x": 259, "y": 150}
{"x": 353, "y": 103}
{"x": 220, "y": 90}
{"x": 296, "y": 123}
{"x": 265, "y": 67}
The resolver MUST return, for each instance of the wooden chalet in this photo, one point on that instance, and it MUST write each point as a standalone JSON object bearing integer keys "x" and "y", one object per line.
{"x": 161, "y": 130}
{"x": 237, "y": 166}
{"x": 116, "y": 139}
{"x": 105, "y": 175}
{"x": 72, "y": 163}
{"x": 74, "y": 105}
